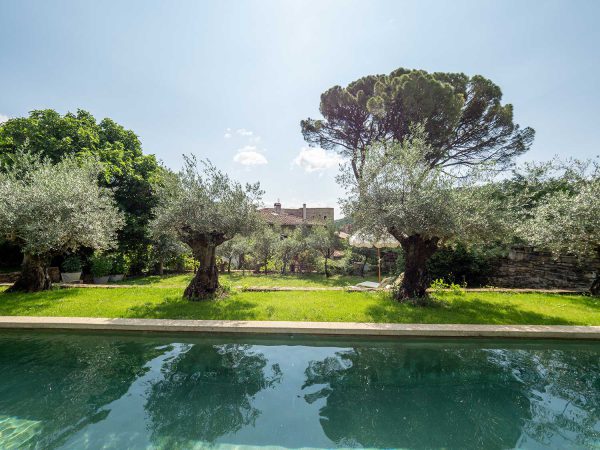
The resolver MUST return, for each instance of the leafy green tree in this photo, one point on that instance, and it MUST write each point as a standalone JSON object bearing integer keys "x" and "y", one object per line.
{"x": 264, "y": 243}
{"x": 203, "y": 207}
{"x": 234, "y": 249}
{"x": 129, "y": 173}
{"x": 52, "y": 209}
{"x": 568, "y": 221}
{"x": 465, "y": 121}
{"x": 423, "y": 207}
{"x": 165, "y": 248}
{"x": 286, "y": 250}
{"x": 324, "y": 240}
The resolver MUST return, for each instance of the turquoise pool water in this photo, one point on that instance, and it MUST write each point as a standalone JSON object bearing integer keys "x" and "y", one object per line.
{"x": 141, "y": 391}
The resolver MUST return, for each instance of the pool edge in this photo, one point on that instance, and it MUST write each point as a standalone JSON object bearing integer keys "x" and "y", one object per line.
{"x": 312, "y": 328}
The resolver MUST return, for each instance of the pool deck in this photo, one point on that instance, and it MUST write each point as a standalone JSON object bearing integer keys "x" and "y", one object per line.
{"x": 312, "y": 328}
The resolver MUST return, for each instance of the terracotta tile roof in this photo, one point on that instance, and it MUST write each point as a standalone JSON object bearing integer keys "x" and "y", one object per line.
{"x": 280, "y": 219}
{"x": 284, "y": 218}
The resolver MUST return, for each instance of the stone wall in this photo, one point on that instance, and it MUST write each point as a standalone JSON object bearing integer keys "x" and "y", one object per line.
{"x": 527, "y": 268}
{"x": 11, "y": 277}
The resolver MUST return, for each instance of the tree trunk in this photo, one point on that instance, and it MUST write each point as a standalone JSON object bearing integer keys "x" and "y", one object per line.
{"x": 326, "y": 268}
{"x": 159, "y": 268}
{"x": 34, "y": 276}
{"x": 229, "y": 265}
{"x": 266, "y": 262}
{"x": 206, "y": 280}
{"x": 595, "y": 288}
{"x": 362, "y": 267}
{"x": 417, "y": 251}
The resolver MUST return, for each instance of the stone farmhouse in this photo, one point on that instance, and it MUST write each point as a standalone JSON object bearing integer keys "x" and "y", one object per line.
{"x": 290, "y": 218}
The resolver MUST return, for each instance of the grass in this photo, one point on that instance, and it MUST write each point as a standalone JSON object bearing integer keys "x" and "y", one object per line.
{"x": 258, "y": 280}
{"x": 333, "y": 306}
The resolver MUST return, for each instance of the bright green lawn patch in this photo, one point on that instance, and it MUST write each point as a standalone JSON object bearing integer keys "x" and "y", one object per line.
{"x": 238, "y": 279}
{"x": 334, "y": 306}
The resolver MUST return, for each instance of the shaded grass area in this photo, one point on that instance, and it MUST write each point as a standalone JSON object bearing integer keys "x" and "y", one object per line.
{"x": 258, "y": 280}
{"x": 333, "y": 306}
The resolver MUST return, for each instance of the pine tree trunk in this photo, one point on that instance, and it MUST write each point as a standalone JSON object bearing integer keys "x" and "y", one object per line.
{"x": 206, "y": 280}
{"x": 417, "y": 251}
{"x": 34, "y": 276}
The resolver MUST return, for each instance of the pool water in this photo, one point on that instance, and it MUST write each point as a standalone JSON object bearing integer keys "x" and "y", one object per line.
{"x": 145, "y": 391}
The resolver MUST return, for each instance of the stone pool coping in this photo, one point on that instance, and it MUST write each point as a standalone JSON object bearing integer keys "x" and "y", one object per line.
{"x": 313, "y": 328}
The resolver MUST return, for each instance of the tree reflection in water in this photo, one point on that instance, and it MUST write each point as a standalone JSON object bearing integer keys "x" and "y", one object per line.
{"x": 64, "y": 384}
{"x": 456, "y": 397}
{"x": 207, "y": 393}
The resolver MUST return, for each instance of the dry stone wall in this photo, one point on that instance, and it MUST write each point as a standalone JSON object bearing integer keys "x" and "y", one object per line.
{"x": 527, "y": 268}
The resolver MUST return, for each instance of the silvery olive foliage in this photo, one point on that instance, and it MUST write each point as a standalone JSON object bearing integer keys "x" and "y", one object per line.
{"x": 49, "y": 209}
{"x": 568, "y": 221}
{"x": 399, "y": 190}
{"x": 203, "y": 201}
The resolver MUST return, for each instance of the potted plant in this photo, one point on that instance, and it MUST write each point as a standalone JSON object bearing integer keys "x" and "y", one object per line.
{"x": 71, "y": 269}
{"x": 119, "y": 268}
{"x": 100, "y": 266}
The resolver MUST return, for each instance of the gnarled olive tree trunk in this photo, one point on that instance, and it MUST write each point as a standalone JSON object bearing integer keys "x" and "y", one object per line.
{"x": 206, "y": 281}
{"x": 34, "y": 275}
{"x": 417, "y": 251}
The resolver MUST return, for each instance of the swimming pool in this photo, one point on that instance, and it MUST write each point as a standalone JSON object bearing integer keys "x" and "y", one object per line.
{"x": 135, "y": 390}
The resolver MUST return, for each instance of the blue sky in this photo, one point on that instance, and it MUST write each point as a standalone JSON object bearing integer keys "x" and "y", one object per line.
{"x": 231, "y": 80}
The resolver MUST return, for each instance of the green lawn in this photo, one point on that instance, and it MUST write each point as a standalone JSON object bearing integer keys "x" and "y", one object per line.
{"x": 238, "y": 279}
{"x": 335, "y": 306}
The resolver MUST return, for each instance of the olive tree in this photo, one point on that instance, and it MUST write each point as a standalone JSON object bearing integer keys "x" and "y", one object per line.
{"x": 287, "y": 249}
{"x": 51, "y": 209}
{"x": 165, "y": 248}
{"x": 205, "y": 208}
{"x": 264, "y": 243}
{"x": 422, "y": 206}
{"x": 323, "y": 239}
{"x": 234, "y": 248}
{"x": 567, "y": 222}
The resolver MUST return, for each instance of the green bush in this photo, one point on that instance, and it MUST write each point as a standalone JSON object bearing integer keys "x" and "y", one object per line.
{"x": 438, "y": 286}
{"x": 71, "y": 264}
{"x": 120, "y": 264}
{"x": 100, "y": 265}
{"x": 463, "y": 265}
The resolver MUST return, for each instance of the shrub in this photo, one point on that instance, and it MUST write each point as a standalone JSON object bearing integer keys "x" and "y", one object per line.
{"x": 100, "y": 265}
{"x": 438, "y": 286}
{"x": 120, "y": 264}
{"x": 71, "y": 264}
{"x": 463, "y": 265}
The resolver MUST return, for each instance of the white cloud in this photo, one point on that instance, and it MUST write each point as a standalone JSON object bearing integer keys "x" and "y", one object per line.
{"x": 316, "y": 159}
{"x": 244, "y": 132}
{"x": 3, "y": 118}
{"x": 249, "y": 156}
{"x": 227, "y": 135}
